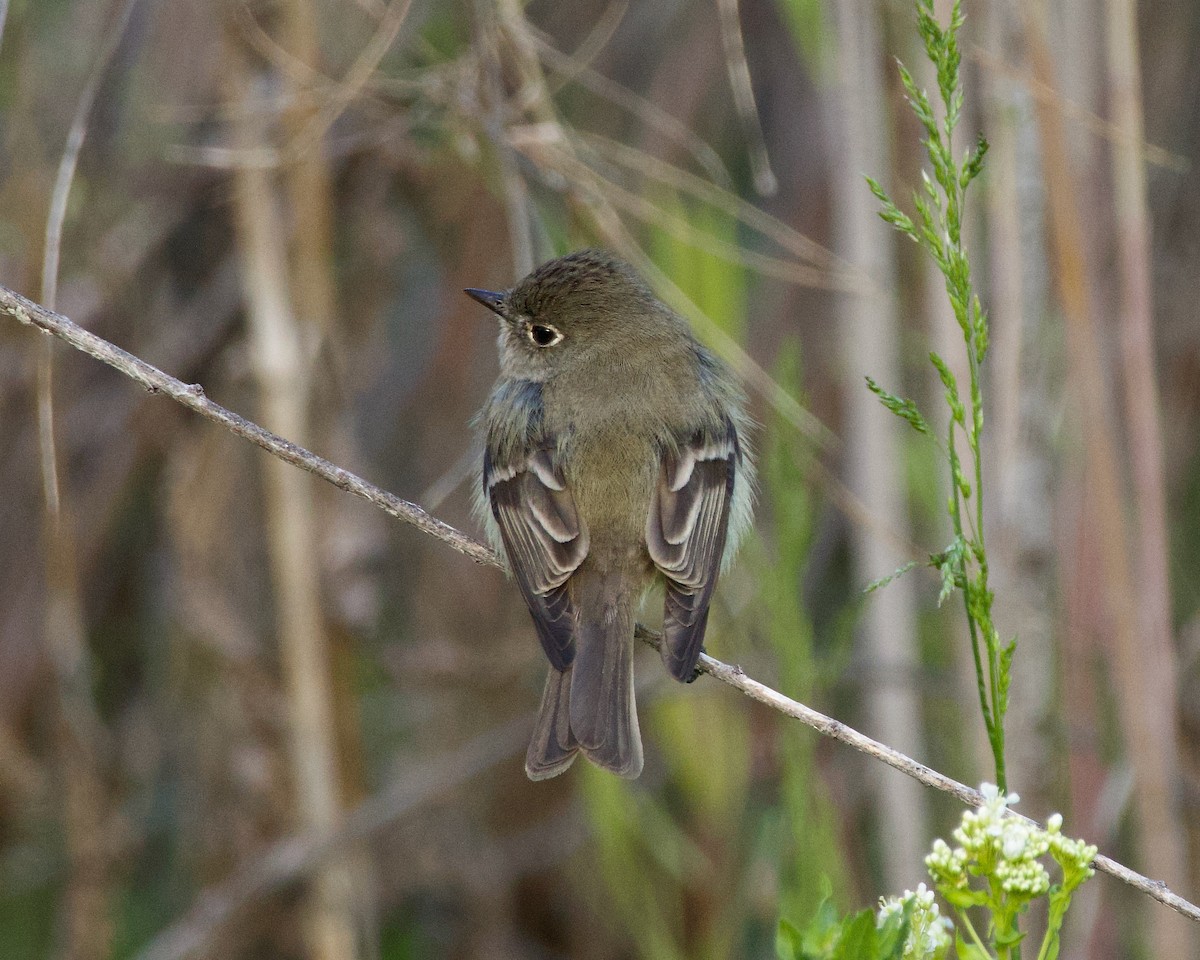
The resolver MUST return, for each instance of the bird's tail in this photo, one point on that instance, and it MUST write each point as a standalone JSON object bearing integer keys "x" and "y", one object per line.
{"x": 603, "y": 710}
{"x": 553, "y": 746}
{"x": 590, "y": 706}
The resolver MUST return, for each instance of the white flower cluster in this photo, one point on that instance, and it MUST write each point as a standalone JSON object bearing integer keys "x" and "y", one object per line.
{"x": 1003, "y": 846}
{"x": 1072, "y": 854}
{"x": 994, "y": 842}
{"x": 947, "y": 867}
{"x": 928, "y": 932}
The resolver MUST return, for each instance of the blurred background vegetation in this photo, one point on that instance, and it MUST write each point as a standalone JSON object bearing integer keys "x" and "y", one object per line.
{"x": 244, "y": 715}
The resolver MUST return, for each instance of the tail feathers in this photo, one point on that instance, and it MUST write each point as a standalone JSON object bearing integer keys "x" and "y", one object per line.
{"x": 603, "y": 709}
{"x": 553, "y": 746}
{"x": 590, "y": 706}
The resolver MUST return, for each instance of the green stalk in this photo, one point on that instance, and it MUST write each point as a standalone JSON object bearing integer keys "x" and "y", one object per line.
{"x": 938, "y": 229}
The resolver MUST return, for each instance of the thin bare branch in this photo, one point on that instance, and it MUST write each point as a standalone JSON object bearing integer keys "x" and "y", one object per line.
{"x": 192, "y": 396}
{"x": 359, "y": 74}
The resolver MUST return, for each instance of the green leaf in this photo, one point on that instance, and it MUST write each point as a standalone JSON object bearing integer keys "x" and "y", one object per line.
{"x": 859, "y": 940}
{"x": 788, "y": 941}
{"x": 853, "y": 937}
{"x": 819, "y": 939}
{"x": 968, "y": 951}
{"x": 892, "y": 935}
{"x": 1009, "y": 939}
{"x": 963, "y": 898}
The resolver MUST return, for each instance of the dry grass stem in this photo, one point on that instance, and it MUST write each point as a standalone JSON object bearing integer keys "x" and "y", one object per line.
{"x": 1144, "y": 707}
{"x": 649, "y": 212}
{"x": 358, "y": 76}
{"x": 596, "y": 40}
{"x": 278, "y": 354}
{"x": 842, "y": 275}
{"x": 1096, "y": 125}
{"x": 648, "y": 112}
{"x": 765, "y": 181}
{"x": 85, "y": 928}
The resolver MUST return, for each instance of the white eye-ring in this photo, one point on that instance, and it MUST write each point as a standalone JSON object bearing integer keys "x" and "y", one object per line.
{"x": 543, "y": 335}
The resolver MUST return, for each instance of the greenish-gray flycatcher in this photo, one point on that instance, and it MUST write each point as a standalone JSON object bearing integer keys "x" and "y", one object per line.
{"x": 614, "y": 456}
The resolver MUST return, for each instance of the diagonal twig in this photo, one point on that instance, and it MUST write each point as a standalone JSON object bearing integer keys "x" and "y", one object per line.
{"x": 192, "y": 396}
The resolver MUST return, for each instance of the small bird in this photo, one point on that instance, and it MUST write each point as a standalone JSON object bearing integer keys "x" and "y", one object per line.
{"x": 615, "y": 456}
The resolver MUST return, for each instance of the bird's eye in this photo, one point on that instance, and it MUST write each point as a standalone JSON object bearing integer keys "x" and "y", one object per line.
{"x": 543, "y": 336}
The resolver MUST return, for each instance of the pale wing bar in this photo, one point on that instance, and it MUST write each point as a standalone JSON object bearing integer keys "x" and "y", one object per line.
{"x": 545, "y": 541}
{"x": 685, "y": 536}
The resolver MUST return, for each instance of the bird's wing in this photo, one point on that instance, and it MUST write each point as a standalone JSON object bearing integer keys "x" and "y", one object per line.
{"x": 545, "y": 540}
{"x": 685, "y": 536}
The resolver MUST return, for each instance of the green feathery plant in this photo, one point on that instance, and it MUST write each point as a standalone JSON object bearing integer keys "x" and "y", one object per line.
{"x": 996, "y": 868}
{"x": 938, "y": 229}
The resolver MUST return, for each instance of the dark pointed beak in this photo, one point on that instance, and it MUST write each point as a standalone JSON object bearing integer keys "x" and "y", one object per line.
{"x": 493, "y": 301}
